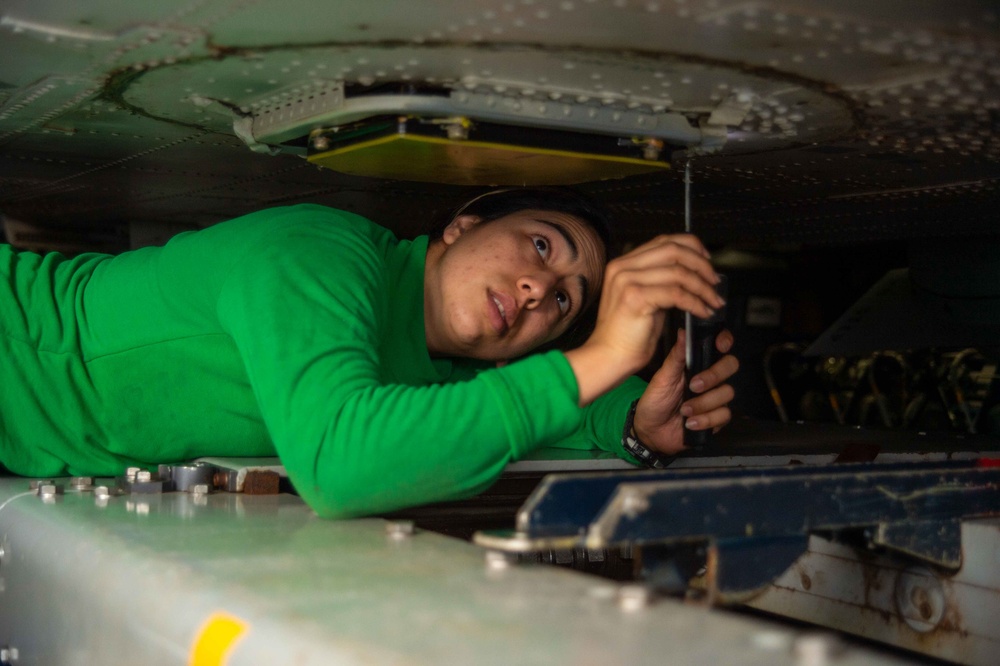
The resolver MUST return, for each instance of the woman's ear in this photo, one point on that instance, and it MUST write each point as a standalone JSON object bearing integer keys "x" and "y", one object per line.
{"x": 457, "y": 227}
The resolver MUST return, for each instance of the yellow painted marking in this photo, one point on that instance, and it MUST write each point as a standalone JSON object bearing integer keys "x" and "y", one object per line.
{"x": 216, "y": 640}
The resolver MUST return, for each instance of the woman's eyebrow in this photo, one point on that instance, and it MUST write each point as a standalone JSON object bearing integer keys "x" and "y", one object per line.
{"x": 574, "y": 253}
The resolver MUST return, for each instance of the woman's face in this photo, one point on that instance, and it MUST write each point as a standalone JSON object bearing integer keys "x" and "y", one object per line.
{"x": 497, "y": 290}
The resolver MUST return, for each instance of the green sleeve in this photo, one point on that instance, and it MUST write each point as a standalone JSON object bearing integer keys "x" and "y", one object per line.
{"x": 308, "y": 330}
{"x": 604, "y": 419}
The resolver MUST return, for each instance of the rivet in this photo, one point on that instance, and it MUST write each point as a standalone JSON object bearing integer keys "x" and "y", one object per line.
{"x": 633, "y": 597}
{"x": 497, "y": 560}
{"x": 399, "y": 530}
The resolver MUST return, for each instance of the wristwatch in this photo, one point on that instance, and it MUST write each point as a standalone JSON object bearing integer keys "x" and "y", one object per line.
{"x": 633, "y": 445}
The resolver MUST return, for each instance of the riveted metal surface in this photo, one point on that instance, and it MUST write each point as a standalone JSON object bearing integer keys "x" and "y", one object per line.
{"x": 949, "y": 616}
{"x": 164, "y": 571}
{"x": 841, "y": 120}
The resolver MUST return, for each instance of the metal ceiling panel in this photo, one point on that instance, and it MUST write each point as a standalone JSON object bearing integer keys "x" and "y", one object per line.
{"x": 808, "y": 121}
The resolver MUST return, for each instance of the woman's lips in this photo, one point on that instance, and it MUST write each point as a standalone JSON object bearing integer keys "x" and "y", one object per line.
{"x": 501, "y": 310}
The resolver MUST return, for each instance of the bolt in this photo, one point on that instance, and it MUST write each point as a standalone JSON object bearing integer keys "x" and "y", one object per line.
{"x": 131, "y": 473}
{"x": 457, "y": 132}
{"x": 81, "y": 483}
{"x": 399, "y": 529}
{"x": 200, "y": 489}
{"x": 920, "y": 599}
{"x": 8, "y": 655}
{"x": 814, "y": 649}
{"x": 497, "y": 560}
{"x": 633, "y": 597}
{"x": 47, "y": 491}
{"x": 102, "y": 492}
{"x": 143, "y": 476}
{"x": 35, "y": 484}
{"x": 321, "y": 143}
{"x": 633, "y": 504}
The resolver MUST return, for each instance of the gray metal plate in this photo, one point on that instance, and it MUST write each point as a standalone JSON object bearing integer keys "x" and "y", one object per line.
{"x": 155, "y": 576}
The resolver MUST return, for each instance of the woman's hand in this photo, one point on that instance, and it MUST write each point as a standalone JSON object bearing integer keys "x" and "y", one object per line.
{"x": 662, "y": 413}
{"x": 639, "y": 288}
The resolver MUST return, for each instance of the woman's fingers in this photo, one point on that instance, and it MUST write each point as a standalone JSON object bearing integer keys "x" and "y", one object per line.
{"x": 724, "y": 341}
{"x": 713, "y": 420}
{"x": 688, "y": 240}
{"x": 719, "y": 372}
{"x": 664, "y": 287}
{"x": 681, "y": 250}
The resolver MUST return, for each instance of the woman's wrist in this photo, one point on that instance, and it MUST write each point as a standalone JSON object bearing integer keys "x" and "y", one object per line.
{"x": 638, "y": 449}
{"x": 596, "y": 372}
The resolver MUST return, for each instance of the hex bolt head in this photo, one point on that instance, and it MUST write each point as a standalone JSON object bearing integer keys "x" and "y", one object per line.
{"x": 200, "y": 489}
{"x": 399, "y": 529}
{"x": 815, "y": 649}
{"x": 48, "y": 490}
{"x": 920, "y": 598}
{"x": 143, "y": 476}
{"x": 321, "y": 143}
{"x": 633, "y": 597}
{"x": 131, "y": 473}
{"x": 8, "y": 655}
{"x": 634, "y": 504}
{"x": 497, "y": 560}
{"x": 102, "y": 492}
{"x": 457, "y": 132}
{"x": 81, "y": 483}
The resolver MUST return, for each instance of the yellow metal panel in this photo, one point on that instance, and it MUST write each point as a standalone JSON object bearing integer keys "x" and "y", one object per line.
{"x": 465, "y": 162}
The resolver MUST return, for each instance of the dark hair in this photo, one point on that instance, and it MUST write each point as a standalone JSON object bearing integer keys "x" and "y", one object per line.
{"x": 496, "y": 204}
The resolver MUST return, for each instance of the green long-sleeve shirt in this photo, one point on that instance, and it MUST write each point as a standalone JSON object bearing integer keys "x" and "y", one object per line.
{"x": 293, "y": 331}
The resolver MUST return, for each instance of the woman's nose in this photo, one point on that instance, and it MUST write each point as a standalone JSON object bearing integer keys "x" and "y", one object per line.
{"x": 534, "y": 288}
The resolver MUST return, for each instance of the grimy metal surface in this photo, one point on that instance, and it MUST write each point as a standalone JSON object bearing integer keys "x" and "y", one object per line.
{"x": 950, "y": 616}
{"x": 122, "y": 122}
{"x": 227, "y": 578}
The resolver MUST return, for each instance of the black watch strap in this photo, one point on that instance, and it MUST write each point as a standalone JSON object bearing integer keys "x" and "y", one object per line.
{"x": 634, "y": 446}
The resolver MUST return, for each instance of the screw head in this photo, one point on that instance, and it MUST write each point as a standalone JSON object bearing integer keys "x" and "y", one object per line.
{"x": 920, "y": 598}
{"x": 399, "y": 529}
{"x": 36, "y": 484}
{"x": 497, "y": 560}
{"x": 81, "y": 483}
{"x": 634, "y": 504}
{"x": 633, "y": 597}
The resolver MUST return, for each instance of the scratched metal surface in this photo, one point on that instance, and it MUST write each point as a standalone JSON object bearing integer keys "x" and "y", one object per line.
{"x": 86, "y": 581}
{"x": 844, "y": 120}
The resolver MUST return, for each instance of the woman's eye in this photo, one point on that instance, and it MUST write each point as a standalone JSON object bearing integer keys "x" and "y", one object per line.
{"x": 542, "y": 246}
{"x": 563, "y": 300}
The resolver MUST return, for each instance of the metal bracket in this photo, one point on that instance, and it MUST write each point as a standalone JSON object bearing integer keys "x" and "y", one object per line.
{"x": 756, "y": 523}
{"x": 328, "y": 106}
